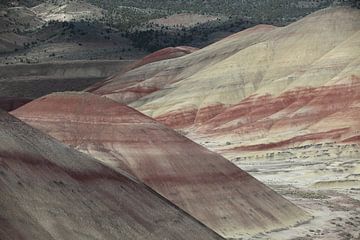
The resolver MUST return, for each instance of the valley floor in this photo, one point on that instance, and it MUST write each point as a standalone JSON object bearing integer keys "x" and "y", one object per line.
{"x": 336, "y": 214}
{"x": 323, "y": 179}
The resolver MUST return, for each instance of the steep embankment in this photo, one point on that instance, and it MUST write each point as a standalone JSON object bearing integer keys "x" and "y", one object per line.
{"x": 50, "y": 191}
{"x": 204, "y": 184}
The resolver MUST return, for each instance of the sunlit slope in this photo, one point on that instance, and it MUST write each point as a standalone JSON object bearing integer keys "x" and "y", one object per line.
{"x": 161, "y": 76}
{"x": 262, "y": 85}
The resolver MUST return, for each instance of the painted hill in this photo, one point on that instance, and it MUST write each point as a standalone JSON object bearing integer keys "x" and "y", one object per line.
{"x": 204, "y": 184}
{"x": 264, "y": 87}
{"x": 50, "y": 191}
{"x": 163, "y": 74}
{"x": 163, "y": 54}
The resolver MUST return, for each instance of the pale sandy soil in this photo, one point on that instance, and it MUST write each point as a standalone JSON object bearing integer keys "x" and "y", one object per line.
{"x": 336, "y": 214}
{"x": 323, "y": 179}
{"x": 184, "y": 19}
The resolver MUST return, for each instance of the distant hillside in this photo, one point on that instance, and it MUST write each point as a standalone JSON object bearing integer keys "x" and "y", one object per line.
{"x": 232, "y": 16}
{"x": 281, "y": 11}
{"x": 30, "y": 28}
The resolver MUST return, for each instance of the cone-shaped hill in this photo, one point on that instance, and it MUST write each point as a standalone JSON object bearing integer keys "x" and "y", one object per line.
{"x": 204, "y": 184}
{"x": 49, "y": 191}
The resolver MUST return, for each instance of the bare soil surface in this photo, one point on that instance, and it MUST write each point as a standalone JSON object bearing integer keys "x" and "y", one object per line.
{"x": 323, "y": 179}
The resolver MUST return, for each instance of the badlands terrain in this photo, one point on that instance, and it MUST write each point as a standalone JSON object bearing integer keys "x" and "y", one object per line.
{"x": 204, "y": 184}
{"x": 114, "y": 32}
{"x": 279, "y": 102}
{"x": 50, "y": 191}
{"x": 255, "y": 136}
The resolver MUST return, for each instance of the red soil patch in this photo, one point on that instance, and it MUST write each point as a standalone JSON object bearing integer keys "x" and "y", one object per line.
{"x": 204, "y": 184}
{"x": 163, "y": 54}
{"x": 331, "y": 135}
{"x": 353, "y": 139}
{"x": 178, "y": 119}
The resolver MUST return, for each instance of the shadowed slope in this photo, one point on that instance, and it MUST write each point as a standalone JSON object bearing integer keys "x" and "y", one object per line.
{"x": 11, "y": 103}
{"x": 49, "y": 191}
{"x": 204, "y": 184}
{"x": 36, "y": 80}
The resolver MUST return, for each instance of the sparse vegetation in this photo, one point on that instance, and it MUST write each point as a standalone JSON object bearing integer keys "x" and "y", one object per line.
{"x": 280, "y": 11}
{"x": 305, "y": 194}
{"x": 136, "y": 22}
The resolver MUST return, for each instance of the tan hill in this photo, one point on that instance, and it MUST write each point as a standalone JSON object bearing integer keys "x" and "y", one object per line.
{"x": 68, "y": 11}
{"x": 204, "y": 184}
{"x": 164, "y": 74}
{"x": 183, "y": 20}
{"x": 263, "y": 85}
{"x": 49, "y": 191}
{"x": 164, "y": 54}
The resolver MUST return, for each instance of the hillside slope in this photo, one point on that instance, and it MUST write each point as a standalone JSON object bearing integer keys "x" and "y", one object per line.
{"x": 261, "y": 85}
{"x": 204, "y": 184}
{"x": 68, "y": 11}
{"x": 49, "y": 191}
{"x": 164, "y": 74}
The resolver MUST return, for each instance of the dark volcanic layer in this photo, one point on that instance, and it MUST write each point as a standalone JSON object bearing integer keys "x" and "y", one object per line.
{"x": 204, "y": 184}
{"x": 11, "y": 103}
{"x": 36, "y": 80}
{"x": 49, "y": 191}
